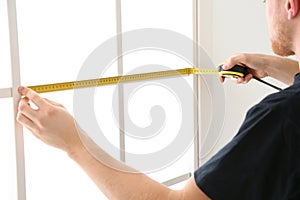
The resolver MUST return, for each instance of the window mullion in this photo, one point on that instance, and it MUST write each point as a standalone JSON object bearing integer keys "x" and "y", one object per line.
{"x": 16, "y": 80}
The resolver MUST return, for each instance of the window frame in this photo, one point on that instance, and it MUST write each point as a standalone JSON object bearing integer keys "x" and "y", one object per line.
{"x": 16, "y": 81}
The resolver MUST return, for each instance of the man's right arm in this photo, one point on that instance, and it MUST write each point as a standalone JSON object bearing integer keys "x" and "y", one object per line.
{"x": 260, "y": 65}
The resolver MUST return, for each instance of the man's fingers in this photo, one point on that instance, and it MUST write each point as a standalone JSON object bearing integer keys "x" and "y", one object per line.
{"x": 227, "y": 66}
{"x": 25, "y": 121}
{"x": 246, "y": 79}
{"x": 236, "y": 59}
{"x": 25, "y": 109}
{"x": 222, "y": 79}
{"x": 32, "y": 95}
{"x": 53, "y": 102}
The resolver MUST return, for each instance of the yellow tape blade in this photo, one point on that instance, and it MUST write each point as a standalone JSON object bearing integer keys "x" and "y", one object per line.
{"x": 119, "y": 79}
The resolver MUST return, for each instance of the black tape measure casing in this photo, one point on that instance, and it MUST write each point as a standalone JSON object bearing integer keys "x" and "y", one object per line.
{"x": 237, "y": 71}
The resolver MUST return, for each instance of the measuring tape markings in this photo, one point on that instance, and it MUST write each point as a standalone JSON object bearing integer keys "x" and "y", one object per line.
{"x": 119, "y": 79}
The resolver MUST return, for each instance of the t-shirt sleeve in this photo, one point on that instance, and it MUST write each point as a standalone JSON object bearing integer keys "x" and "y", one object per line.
{"x": 254, "y": 164}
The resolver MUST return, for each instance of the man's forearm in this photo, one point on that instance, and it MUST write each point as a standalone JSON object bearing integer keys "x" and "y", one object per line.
{"x": 118, "y": 181}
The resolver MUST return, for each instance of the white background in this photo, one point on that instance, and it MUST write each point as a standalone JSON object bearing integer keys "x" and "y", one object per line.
{"x": 57, "y": 36}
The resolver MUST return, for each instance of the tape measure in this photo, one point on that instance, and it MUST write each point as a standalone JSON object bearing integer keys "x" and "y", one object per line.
{"x": 236, "y": 71}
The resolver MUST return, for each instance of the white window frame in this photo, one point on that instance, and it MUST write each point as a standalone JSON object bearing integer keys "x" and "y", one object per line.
{"x": 198, "y": 35}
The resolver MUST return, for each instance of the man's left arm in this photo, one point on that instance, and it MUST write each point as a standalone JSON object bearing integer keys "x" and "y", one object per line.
{"x": 52, "y": 124}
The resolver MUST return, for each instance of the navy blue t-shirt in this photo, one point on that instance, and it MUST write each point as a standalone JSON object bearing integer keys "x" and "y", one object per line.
{"x": 262, "y": 162}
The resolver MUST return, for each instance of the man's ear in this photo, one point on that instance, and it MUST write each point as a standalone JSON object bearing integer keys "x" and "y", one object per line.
{"x": 292, "y": 7}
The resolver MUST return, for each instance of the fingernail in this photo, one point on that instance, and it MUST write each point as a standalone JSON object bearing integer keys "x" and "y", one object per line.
{"x": 20, "y": 89}
{"x": 239, "y": 80}
{"x": 225, "y": 66}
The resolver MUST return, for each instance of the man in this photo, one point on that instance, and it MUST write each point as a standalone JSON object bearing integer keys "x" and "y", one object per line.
{"x": 261, "y": 162}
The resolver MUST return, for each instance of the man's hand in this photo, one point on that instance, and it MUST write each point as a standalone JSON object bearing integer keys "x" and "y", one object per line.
{"x": 255, "y": 63}
{"x": 261, "y": 66}
{"x": 50, "y": 121}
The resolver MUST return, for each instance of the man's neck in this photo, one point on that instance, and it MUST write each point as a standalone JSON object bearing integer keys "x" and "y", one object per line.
{"x": 297, "y": 45}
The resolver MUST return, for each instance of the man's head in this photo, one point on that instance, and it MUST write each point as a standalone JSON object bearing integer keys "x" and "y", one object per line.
{"x": 284, "y": 25}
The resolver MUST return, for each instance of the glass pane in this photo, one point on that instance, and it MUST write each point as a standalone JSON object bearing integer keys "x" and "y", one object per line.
{"x": 7, "y": 152}
{"x": 5, "y": 70}
{"x": 175, "y": 15}
{"x": 156, "y": 108}
{"x": 50, "y": 173}
{"x": 57, "y": 39}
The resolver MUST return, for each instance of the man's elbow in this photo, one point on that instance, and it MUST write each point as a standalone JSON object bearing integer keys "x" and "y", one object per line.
{"x": 190, "y": 192}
